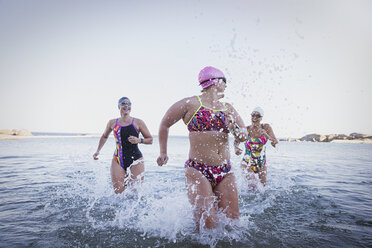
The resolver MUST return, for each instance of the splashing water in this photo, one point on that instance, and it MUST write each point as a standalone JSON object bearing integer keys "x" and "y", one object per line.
{"x": 158, "y": 208}
{"x": 64, "y": 198}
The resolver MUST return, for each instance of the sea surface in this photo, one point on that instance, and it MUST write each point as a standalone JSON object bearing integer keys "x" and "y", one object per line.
{"x": 53, "y": 194}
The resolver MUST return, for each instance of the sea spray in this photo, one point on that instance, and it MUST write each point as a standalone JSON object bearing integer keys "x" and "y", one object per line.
{"x": 79, "y": 206}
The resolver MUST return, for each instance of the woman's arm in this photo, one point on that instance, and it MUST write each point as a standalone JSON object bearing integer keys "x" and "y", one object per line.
{"x": 236, "y": 126}
{"x": 237, "y": 149}
{"x": 270, "y": 134}
{"x": 176, "y": 112}
{"x": 103, "y": 139}
{"x": 145, "y": 133}
{"x": 142, "y": 128}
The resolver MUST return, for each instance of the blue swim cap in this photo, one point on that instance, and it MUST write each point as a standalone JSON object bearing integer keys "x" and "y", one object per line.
{"x": 122, "y": 99}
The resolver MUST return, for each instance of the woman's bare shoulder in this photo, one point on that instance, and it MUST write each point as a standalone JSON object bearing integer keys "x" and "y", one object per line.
{"x": 188, "y": 101}
{"x": 138, "y": 121}
{"x": 228, "y": 105}
{"x": 266, "y": 125}
{"x": 112, "y": 121}
{"x": 191, "y": 99}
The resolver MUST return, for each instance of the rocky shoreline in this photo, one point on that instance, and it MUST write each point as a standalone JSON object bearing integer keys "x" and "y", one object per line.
{"x": 7, "y": 134}
{"x": 336, "y": 138}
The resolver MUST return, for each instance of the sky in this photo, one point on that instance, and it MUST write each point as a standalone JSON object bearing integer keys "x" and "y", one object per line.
{"x": 64, "y": 64}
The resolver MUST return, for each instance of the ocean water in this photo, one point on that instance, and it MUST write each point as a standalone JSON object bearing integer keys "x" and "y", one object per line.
{"x": 53, "y": 194}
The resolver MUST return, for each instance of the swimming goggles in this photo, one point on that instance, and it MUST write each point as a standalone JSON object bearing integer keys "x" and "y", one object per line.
{"x": 223, "y": 79}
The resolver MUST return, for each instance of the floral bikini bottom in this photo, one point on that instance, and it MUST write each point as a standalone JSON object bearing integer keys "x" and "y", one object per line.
{"x": 213, "y": 173}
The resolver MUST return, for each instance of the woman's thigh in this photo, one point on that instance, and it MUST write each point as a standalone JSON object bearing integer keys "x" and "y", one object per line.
{"x": 201, "y": 197}
{"x": 247, "y": 171}
{"x": 227, "y": 194}
{"x": 262, "y": 175}
{"x": 118, "y": 176}
{"x": 197, "y": 185}
{"x": 137, "y": 169}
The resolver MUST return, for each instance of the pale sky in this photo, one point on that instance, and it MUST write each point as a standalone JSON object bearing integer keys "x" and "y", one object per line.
{"x": 64, "y": 64}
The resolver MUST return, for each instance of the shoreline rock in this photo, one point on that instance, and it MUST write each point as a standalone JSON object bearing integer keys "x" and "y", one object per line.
{"x": 16, "y": 132}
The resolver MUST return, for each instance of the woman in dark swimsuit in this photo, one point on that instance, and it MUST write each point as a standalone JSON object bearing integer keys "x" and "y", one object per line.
{"x": 126, "y": 130}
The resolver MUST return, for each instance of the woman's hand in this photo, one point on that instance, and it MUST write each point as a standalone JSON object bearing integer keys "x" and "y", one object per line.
{"x": 238, "y": 151}
{"x": 162, "y": 159}
{"x": 95, "y": 155}
{"x": 134, "y": 140}
{"x": 273, "y": 143}
{"x": 262, "y": 131}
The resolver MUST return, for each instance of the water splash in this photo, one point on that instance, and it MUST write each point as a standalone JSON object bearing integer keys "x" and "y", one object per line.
{"x": 156, "y": 209}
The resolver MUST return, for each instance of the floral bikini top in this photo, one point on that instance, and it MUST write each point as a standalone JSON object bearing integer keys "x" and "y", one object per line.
{"x": 207, "y": 119}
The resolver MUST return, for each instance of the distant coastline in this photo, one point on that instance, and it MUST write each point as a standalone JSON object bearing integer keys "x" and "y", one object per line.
{"x": 17, "y": 134}
{"x": 354, "y": 138}
{"x": 63, "y": 134}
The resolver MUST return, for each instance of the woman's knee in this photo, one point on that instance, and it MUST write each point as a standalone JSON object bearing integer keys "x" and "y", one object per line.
{"x": 208, "y": 217}
{"x": 210, "y": 222}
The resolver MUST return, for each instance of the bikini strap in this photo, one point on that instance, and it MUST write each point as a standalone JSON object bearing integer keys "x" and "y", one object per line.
{"x": 132, "y": 120}
{"x": 201, "y": 104}
{"x": 224, "y": 105}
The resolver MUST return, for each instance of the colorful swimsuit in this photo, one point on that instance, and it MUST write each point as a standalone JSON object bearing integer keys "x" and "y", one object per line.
{"x": 207, "y": 119}
{"x": 255, "y": 154}
{"x": 213, "y": 173}
{"x": 125, "y": 152}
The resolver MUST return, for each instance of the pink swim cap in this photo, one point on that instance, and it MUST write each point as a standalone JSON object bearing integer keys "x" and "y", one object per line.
{"x": 210, "y": 75}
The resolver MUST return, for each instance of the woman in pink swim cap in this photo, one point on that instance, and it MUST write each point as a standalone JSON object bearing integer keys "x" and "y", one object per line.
{"x": 210, "y": 183}
{"x": 209, "y": 76}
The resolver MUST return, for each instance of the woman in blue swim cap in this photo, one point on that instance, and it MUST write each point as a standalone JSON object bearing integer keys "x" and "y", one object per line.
{"x": 127, "y": 164}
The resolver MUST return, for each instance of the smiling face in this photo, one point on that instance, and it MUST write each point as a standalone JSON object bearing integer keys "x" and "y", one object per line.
{"x": 256, "y": 117}
{"x": 125, "y": 106}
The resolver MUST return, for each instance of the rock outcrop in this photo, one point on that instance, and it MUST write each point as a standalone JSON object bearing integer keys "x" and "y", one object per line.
{"x": 16, "y": 132}
{"x": 314, "y": 137}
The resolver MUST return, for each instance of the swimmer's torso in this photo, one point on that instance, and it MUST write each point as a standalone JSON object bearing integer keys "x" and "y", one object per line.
{"x": 208, "y": 133}
{"x": 210, "y": 147}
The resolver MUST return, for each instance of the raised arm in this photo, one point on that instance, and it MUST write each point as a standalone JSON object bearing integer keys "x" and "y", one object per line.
{"x": 176, "y": 112}
{"x": 103, "y": 138}
{"x": 270, "y": 134}
{"x": 236, "y": 126}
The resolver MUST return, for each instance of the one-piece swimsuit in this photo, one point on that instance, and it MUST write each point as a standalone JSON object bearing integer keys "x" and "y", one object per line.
{"x": 125, "y": 152}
